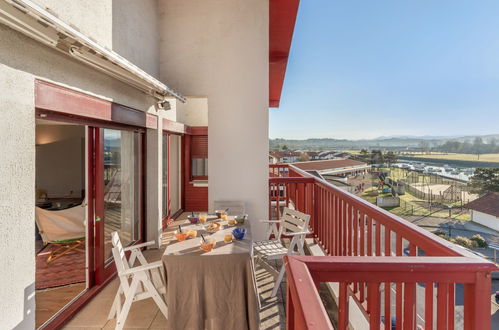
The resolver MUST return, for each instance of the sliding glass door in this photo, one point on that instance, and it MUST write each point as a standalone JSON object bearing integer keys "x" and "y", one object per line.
{"x": 119, "y": 165}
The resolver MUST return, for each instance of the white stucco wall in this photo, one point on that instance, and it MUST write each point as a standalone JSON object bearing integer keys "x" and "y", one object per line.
{"x": 194, "y": 112}
{"x": 17, "y": 197}
{"x": 219, "y": 49}
{"x": 22, "y": 60}
{"x": 128, "y": 27}
{"x": 485, "y": 219}
{"x": 92, "y": 17}
{"x": 135, "y": 33}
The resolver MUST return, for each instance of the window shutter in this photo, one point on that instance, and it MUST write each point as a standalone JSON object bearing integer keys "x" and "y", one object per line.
{"x": 199, "y": 146}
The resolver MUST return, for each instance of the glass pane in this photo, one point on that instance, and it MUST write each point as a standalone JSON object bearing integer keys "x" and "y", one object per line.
{"x": 165, "y": 175}
{"x": 199, "y": 167}
{"x": 121, "y": 186}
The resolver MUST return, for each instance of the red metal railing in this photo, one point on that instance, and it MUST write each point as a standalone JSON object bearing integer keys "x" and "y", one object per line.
{"x": 358, "y": 235}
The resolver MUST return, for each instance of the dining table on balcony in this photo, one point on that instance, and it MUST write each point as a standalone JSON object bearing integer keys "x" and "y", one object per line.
{"x": 215, "y": 289}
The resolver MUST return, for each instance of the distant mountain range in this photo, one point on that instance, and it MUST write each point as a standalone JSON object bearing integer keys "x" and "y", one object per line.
{"x": 382, "y": 142}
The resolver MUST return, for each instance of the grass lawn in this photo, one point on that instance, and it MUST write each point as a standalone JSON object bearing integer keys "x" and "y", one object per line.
{"x": 468, "y": 157}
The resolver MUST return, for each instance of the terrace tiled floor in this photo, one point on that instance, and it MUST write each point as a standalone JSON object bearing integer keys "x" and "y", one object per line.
{"x": 145, "y": 314}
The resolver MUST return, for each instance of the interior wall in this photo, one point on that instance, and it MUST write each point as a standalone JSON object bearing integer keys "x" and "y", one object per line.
{"x": 60, "y": 160}
{"x": 220, "y": 49}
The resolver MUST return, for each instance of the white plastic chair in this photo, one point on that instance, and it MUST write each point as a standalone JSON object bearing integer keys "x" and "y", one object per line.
{"x": 292, "y": 223}
{"x": 136, "y": 283}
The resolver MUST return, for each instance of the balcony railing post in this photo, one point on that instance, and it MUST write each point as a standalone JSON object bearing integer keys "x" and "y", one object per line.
{"x": 316, "y": 205}
{"x": 477, "y": 303}
{"x": 343, "y": 307}
{"x": 442, "y": 307}
{"x": 290, "y": 308}
{"x": 375, "y": 303}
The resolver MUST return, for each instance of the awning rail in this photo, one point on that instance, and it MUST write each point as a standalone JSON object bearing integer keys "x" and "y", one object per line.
{"x": 44, "y": 26}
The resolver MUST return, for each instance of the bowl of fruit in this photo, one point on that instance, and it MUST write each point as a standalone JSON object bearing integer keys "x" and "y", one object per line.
{"x": 193, "y": 218}
{"x": 213, "y": 227}
{"x": 207, "y": 244}
{"x": 181, "y": 236}
{"x": 241, "y": 218}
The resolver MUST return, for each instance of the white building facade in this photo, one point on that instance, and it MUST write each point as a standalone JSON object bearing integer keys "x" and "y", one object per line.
{"x": 217, "y": 54}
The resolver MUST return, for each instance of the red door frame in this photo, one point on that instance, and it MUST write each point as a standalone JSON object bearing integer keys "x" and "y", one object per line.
{"x": 167, "y": 219}
{"x": 174, "y": 128}
{"x": 105, "y": 271}
{"x": 90, "y": 205}
{"x": 56, "y": 103}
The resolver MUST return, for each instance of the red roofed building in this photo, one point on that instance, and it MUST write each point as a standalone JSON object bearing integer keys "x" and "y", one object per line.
{"x": 485, "y": 210}
{"x": 344, "y": 167}
{"x": 284, "y": 157}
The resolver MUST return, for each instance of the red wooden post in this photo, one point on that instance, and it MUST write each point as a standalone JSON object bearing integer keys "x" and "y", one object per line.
{"x": 398, "y": 287}
{"x": 355, "y": 232}
{"x": 341, "y": 227}
{"x": 332, "y": 224}
{"x": 442, "y": 307}
{"x": 369, "y": 236}
{"x": 343, "y": 307}
{"x": 378, "y": 238}
{"x": 290, "y": 310}
{"x": 271, "y": 199}
{"x": 477, "y": 303}
{"x": 317, "y": 208}
{"x": 374, "y": 303}
{"x": 362, "y": 233}
{"x": 349, "y": 229}
{"x": 409, "y": 306}
{"x": 428, "y": 312}
{"x": 388, "y": 286}
{"x": 451, "y": 303}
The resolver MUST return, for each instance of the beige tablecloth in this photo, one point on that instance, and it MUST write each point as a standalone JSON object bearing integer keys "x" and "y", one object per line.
{"x": 214, "y": 290}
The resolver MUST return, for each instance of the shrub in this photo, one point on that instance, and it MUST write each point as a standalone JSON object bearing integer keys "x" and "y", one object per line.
{"x": 465, "y": 242}
{"x": 442, "y": 235}
{"x": 479, "y": 240}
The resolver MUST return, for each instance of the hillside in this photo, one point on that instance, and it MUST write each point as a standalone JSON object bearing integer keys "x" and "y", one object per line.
{"x": 394, "y": 142}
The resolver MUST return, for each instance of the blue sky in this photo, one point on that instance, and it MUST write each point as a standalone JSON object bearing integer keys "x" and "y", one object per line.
{"x": 363, "y": 69}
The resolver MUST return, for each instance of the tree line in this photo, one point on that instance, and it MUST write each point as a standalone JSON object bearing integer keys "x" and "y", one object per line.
{"x": 376, "y": 157}
{"x": 478, "y": 146}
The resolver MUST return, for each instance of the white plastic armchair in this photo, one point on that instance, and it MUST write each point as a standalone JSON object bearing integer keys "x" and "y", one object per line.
{"x": 271, "y": 228}
{"x": 293, "y": 224}
{"x": 136, "y": 283}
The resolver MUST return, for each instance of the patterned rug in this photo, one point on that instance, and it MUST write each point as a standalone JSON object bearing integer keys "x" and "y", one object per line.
{"x": 68, "y": 269}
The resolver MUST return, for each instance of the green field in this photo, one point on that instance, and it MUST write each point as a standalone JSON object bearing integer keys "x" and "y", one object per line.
{"x": 466, "y": 157}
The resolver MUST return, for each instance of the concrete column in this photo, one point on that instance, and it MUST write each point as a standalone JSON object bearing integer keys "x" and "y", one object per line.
{"x": 220, "y": 49}
{"x": 17, "y": 200}
{"x": 154, "y": 193}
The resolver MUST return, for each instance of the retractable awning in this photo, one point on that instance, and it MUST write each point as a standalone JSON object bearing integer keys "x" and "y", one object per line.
{"x": 43, "y": 26}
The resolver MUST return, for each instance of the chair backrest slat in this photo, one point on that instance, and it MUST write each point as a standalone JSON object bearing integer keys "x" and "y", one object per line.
{"x": 290, "y": 219}
{"x": 293, "y": 221}
{"x": 119, "y": 258}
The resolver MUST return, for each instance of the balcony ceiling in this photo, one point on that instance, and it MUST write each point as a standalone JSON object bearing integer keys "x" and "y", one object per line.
{"x": 282, "y": 23}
